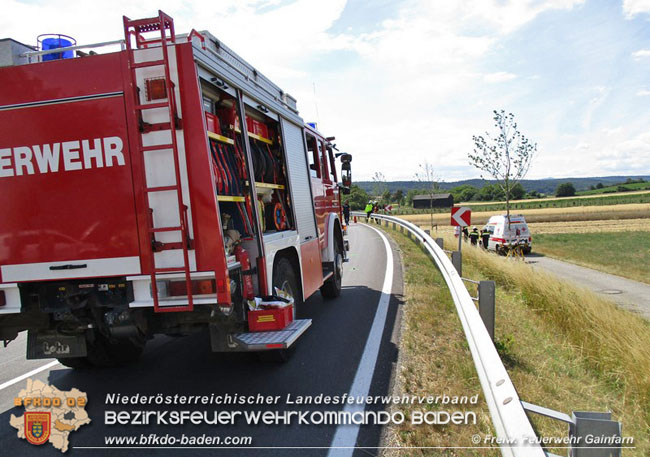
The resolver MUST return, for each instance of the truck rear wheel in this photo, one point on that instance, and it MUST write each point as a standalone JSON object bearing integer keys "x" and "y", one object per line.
{"x": 103, "y": 352}
{"x": 284, "y": 278}
{"x": 332, "y": 287}
{"x": 75, "y": 362}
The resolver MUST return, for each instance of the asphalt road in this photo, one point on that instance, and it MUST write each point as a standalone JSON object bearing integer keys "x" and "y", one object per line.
{"x": 626, "y": 293}
{"x": 326, "y": 361}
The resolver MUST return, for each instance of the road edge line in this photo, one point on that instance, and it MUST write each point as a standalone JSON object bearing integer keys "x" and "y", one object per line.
{"x": 28, "y": 374}
{"x": 345, "y": 438}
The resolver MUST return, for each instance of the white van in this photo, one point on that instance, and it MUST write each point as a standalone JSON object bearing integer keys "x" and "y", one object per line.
{"x": 500, "y": 235}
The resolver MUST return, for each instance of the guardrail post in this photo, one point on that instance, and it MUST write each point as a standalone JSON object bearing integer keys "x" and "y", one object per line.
{"x": 486, "y": 304}
{"x": 440, "y": 242}
{"x": 457, "y": 261}
{"x": 394, "y": 226}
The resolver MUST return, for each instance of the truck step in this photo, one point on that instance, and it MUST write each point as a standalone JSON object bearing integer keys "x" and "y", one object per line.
{"x": 280, "y": 339}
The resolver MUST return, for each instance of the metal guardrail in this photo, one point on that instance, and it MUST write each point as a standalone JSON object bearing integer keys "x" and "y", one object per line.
{"x": 514, "y": 431}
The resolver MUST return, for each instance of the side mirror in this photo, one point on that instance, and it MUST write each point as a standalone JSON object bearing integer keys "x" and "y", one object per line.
{"x": 346, "y": 171}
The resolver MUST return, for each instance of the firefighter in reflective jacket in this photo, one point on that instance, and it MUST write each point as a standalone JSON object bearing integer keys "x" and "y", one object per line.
{"x": 485, "y": 237}
{"x": 473, "y": 236}
{"x": 368, "y": 210}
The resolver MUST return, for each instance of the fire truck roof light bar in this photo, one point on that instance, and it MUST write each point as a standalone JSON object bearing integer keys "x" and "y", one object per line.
{"x": 72, "y": 48}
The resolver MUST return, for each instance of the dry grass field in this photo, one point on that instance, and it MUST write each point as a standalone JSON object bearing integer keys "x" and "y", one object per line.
{"x": 597, "y": 226}
{"x": 564, "y": 348}
{"x": 613, "y": 194}
{"x": 578, "y": 213}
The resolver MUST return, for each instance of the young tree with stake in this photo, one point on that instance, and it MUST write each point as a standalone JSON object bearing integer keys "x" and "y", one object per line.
{"x": 506, "y": 157}
{"x": 427, "y": 176}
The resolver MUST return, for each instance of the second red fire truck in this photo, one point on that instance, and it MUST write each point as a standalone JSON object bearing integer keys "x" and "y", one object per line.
{"x": 164, "y": 188}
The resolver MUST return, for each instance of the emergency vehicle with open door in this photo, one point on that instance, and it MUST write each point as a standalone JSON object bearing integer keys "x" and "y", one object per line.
{"x": 161, "y": 189}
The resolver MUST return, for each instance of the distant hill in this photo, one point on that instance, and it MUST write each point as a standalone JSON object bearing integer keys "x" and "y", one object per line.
{"x": 545, "y": 186}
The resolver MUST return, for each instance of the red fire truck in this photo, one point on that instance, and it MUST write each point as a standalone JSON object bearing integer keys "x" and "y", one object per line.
{"x": 160, "y": 189}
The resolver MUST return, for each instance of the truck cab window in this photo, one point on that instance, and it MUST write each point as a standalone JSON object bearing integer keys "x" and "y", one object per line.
{"x": 323, "y": 161}
{"x": 332, "y": 163}
{"x": 312, "y": 157}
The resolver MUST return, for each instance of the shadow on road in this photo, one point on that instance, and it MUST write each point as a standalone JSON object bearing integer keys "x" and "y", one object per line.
{"x": 324, "y": 362}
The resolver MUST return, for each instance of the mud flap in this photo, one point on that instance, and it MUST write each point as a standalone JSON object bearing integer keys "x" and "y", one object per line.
{"x": 47, "y": 345}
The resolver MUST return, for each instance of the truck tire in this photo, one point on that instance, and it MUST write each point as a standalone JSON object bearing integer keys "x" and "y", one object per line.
{"x": 75, "y": 362}
{"x": 284, "y": 278}
{"x": 103, "y": 352}
{"x": 332, "y": 287}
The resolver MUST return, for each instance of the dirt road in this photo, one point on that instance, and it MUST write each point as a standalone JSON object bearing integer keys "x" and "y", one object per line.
{"x": 628, "y": 294}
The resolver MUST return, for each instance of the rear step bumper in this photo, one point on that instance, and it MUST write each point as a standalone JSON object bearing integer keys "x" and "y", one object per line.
{"x": 258, "y": 341}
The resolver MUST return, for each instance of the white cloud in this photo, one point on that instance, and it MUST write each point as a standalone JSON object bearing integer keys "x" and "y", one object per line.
{"x": 415, "y": 88}
{"x": 641, "y": 53}
{"x": 643, "y": 93}
{"x": 499, "y": 77}
{"x": 633, "y": 7}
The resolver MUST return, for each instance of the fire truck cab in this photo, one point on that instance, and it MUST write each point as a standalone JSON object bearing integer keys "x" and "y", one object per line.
{"x": 161, "y": 189}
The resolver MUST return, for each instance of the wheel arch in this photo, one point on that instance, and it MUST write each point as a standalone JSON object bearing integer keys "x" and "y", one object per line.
{"x": 334, "y": 234}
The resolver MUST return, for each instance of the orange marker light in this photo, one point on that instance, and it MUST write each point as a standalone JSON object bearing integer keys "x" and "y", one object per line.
{"x": 156, "y": 89}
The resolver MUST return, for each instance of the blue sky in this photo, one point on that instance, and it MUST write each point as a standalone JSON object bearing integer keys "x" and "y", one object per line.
{"x": 400, "y": 83}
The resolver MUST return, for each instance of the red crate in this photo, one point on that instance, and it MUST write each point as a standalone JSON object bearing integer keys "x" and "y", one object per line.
{"x": 212, "y": 122}
{"x": 265, "y": 320}
{"x": 258, "y": 128}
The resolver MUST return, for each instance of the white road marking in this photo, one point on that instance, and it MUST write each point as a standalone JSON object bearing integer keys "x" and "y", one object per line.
{"x": 27, "y": 375}
{"x": 345, "y": 438}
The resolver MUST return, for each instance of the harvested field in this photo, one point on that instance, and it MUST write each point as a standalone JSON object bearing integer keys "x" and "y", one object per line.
{"x": 613, "y": 225}
{"x": 578, "y": 213}
{"x": 551, "y": 199}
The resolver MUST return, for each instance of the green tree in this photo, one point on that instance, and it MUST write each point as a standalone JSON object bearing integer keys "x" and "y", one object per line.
{"x": 489, "y": 193}
{"x": 506, "y": 157}
{"x": 565, "y": 189}
{"x": 357, "y": 198}
{"x": 398, "y": 196}
{"x": 412, "y": 193}
{"x": 599, "y": 185}
{"x": 463, "y": 193}
{"x": 517, "y": 191}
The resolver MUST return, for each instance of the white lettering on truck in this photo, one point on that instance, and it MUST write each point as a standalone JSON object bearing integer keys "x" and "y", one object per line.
{"x": 66, "y": 156}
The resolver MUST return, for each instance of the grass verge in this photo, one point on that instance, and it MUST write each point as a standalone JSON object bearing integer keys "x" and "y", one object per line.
{"x": 435, "y": 360}
{"x": 622, "y": 253}
{"x": 564, "y": 348}
{"x": 592, "y": 355}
